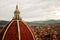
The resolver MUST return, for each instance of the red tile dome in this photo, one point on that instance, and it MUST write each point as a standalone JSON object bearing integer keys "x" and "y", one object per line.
{"x": 16, "y": 29}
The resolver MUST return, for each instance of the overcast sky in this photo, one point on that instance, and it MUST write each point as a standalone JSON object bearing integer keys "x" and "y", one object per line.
{"x": 31, "y": 10}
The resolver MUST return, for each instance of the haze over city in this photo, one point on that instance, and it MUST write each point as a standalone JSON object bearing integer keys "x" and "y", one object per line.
{"x": 31, "y": 10}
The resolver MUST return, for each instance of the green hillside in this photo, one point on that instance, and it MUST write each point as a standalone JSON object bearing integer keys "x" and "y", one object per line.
{"x": 45, "y": 22}
{"x": 2, "y": 22}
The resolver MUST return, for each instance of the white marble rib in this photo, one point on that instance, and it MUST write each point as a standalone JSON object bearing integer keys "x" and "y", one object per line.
{"x": 6, "y": 30}
{"x": 18, "y": 30}
{"x": 30, "y": 30}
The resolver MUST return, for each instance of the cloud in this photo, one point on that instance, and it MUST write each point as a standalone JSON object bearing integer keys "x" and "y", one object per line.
{"x": 31, "y": 9}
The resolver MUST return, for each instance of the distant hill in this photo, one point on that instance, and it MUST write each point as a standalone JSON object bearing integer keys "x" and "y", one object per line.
{"x": 3, "y": 22}
{"x": 47, "y": 22}
{"x": 44, "y": 22}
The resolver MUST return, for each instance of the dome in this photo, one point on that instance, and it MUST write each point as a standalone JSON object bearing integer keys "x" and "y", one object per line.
{"x": 16, "y": 30}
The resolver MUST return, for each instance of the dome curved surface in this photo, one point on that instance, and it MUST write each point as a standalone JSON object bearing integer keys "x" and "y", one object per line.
{"x": 16, "y": 30}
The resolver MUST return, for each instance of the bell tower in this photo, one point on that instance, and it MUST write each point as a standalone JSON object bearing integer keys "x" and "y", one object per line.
{"x": 17, "y": 13}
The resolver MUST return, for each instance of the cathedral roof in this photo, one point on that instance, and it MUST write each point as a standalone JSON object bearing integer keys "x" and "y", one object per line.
{"x": 16, "y": 29}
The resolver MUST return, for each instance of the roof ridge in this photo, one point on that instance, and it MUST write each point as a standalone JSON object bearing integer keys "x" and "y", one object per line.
{"x": 6, "y": 30}
{"x": 18, "y": 29}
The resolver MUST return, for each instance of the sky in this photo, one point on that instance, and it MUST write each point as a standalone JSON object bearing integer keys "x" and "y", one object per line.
{"x": 31, "y": 10}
